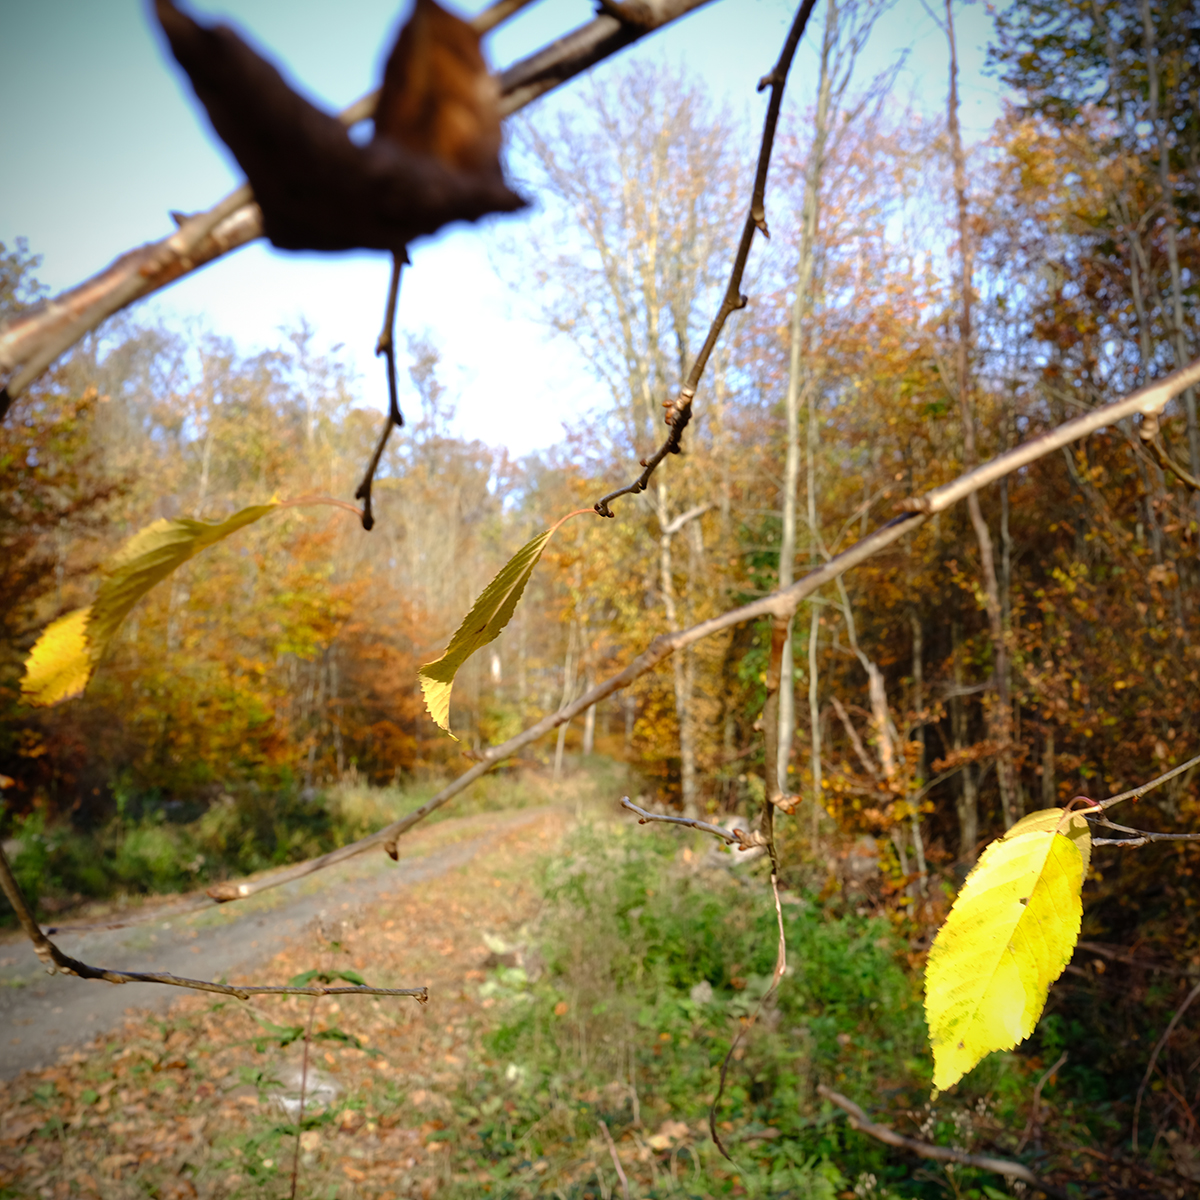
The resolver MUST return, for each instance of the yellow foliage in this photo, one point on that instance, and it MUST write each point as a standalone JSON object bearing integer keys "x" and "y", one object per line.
{"x": 59, "y": 664}
{"x": 1008, "y": 937}
{"x": 484, "y": 623}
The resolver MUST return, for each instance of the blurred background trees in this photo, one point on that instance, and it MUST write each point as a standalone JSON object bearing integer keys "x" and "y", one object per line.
{"x": 933, "y": 696}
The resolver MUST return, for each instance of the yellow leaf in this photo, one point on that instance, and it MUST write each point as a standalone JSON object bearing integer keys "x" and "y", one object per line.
{"x": 147, "y": 559}
{"x": 59, "y": 664}
{"x": 64, "y": 657}
{"x": 1008, "y": 937}
{"x": 488, "y": 616}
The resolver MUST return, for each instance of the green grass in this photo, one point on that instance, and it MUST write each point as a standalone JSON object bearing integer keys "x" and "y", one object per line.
{"x": 146, "y": 848}
{"x": 647, "y": 966}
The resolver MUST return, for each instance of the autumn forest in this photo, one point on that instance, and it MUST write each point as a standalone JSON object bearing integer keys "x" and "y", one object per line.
{"x": 920, "y": 307}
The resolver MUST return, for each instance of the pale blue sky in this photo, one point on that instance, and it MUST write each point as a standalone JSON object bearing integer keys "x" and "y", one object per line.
{"x": 101, "y": 137}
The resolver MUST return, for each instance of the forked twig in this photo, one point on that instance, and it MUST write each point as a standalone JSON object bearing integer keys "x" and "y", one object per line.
{"x": 1037, "y": 1100}
{"x": 56, "y": 960}
{"x": 743, "y": 839}
{"x": 1152, "y": 439}
{"x": 386, "y": 345}
{"x": 884, "y": 1133}
{"x": 679, "y": 410}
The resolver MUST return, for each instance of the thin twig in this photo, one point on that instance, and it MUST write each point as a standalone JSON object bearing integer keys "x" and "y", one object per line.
{"x": 56, "y": 960}
{"x": 612, "y": 1150}
{"x": 744, "y": 842}
{"x": 679, "y": 409}
{"x": 786, "y": 600}
{"x": 1137, "y": 792}
{"x": 386, "y": 345}
{"x": 1144, "y": 838}
{"x": 1037, "y": 1100}
{"x": 780, "y": 971}
{"x": 1149, "y": 433}
{"x": 741, "y": 838}
{"x": 884, "y": 1133}
{"x": 1119, "y": 955}
{"x": 1162, "y": 1041}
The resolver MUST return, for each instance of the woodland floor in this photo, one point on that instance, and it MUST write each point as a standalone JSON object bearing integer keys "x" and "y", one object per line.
{"x": 191, "y": 1102}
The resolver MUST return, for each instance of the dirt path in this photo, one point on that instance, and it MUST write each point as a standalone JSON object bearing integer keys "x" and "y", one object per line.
{"x": 42, "y": 1015}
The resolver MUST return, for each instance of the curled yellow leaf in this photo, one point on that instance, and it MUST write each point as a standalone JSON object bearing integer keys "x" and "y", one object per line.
{"x": 488, "y": 616}
{"x": 64, "y": 657}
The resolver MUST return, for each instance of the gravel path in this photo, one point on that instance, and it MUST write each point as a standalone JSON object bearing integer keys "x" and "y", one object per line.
{"x": 42, "y": 1015}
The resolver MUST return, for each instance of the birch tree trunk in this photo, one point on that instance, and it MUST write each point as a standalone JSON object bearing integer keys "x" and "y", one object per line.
{"x": 999, "y": 710}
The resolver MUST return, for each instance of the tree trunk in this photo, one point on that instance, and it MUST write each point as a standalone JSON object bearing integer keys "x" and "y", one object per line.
{"x": 967, "y": 802}
{"x": 679, "y": 671}
{"x": 999, "y": 712}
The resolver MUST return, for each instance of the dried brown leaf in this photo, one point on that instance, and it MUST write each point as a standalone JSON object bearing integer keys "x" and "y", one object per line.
{"x": 438, "y": 97}
{"x": 317, "y": 188}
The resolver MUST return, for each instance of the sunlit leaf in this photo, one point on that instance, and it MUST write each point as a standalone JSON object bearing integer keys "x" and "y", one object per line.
{"x": 488, "y": 616}
{"x": 64, "y": 657}
{"x": 1008, "y": 937}
{"x": 59, "y": 663}
{"x": 148, "y": 558}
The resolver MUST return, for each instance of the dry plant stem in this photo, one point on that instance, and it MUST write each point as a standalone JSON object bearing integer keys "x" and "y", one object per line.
{"x": 679, "y": 410}
{"x": 387, "y": 347}
{"x": 998, "y": 1166}
{"x": 1162, "y": 1041}
{"x": 612, "y": 1151}
{"x": 312, "y": 1012}
{"x": 780, "y": 971}
{"x": 1037, "y": 1100}
{"x": 56, "y": 960}
{"x": 31, "y": 342}
{"x": 783, "y": 602}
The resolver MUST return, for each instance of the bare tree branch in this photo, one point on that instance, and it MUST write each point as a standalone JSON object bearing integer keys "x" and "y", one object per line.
{"x": 740, "y": 838}
{"x": 1152, "y": 440}
{"x": 884, "y": 1133}
{"x": 31, "y": 342}
{"x": 56, "y": 960}
{"x": 783, "y": 602}
{"x": 679, "y": 410}
{"x": 1137, "y": 792}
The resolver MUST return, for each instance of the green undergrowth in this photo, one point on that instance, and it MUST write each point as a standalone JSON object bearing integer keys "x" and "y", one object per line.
{"x": 645, "y": 966}
{"x": 150, "y": 845}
